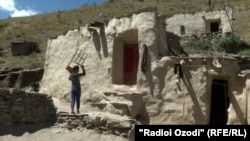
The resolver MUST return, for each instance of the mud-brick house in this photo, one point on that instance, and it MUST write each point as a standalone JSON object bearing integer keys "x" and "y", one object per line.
{"x": 23, "y": 47}
{"x": 201, "y": 22}
{"x": 130, "y": 72}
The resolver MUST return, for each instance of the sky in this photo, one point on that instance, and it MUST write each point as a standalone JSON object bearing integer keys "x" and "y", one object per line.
{"x": 21, "y": 8}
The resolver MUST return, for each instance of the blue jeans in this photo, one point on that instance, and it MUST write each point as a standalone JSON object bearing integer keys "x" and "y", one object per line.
{"x": 75, "y": 97}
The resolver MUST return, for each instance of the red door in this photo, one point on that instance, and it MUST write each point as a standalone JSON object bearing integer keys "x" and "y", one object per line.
{"x": 130, "y": 64}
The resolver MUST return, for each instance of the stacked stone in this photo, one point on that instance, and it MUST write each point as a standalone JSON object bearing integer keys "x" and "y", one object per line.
{"x": 102, "y": 124}
{"x": 10, "y": 80}
{"x": 27, "y": 76}
{"x": 20, "y": 108}
{"x": 19, "y": 78}
{"x": 4, "y": 72}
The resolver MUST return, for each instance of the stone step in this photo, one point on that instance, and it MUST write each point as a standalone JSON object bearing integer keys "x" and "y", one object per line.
{"x": 67, "y": 114}
{"x": 103, "y": 122}
{"x": 116, "y": 107}
{"x": 128, "y": 96}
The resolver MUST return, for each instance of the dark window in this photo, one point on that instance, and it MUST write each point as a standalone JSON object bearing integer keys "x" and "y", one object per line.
{"x": 183, "y": 32}
{"x": 214, "y": 26}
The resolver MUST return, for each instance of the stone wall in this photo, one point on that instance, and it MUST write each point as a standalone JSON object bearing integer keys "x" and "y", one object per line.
{"x": 28, "y": 76}
{"x": 4, "y": 72}
{"x": 102, "y": 123}
{"x": 20, "y": 78}
{"x": 19, "y": 108}
{"x": 23, "y": 48}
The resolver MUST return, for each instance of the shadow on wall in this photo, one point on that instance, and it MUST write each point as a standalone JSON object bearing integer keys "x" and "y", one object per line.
{"x": 148, "y": 74}
{"x": 100, "y": 41}
{"x": 238, "y": 110}
{"x": 174, "y": 46}
{"x": 198, "y": 115}
{"x": 104, "y": 42}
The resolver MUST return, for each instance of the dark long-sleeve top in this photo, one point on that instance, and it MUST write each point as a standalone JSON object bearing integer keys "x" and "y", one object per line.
{"x": 74, "y": 77}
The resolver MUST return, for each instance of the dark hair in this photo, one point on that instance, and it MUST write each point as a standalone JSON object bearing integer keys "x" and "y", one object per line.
{"x": 75, "y": 68}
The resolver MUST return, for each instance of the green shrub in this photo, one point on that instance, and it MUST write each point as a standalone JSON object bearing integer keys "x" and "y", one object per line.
{"x": 245, "y": 52}
{"x": 232, "y": 44}
{"x": 2, "y": 61}
{"x": 200, "y": 44}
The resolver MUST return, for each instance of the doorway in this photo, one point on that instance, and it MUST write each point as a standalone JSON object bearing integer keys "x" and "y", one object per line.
{"x": 214, "y": 26}
{"x": 219, "y": 102}
{"x": 130, "y": 64}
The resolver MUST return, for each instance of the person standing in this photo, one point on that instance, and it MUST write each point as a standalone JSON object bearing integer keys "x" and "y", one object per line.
{"x": 74, "y": 77}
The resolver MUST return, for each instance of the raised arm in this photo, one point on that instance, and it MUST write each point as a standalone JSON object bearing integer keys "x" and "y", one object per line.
{"x": 83, "y": 70}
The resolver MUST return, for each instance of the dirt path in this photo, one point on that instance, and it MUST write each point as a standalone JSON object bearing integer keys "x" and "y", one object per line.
{"x": 30, "y": 133}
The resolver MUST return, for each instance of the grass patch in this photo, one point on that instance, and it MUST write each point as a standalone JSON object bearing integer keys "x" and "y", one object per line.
{"x": 245, "y": 52}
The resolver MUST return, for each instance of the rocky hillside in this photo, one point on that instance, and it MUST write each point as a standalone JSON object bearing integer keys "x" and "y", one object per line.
{"x": 42, "y": 27}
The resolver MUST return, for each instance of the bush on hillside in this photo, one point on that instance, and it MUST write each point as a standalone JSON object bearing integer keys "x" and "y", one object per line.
{"x": 232, "y": 44}
{"x": 196, "y": 45}
{"x": 245, "y": 52}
